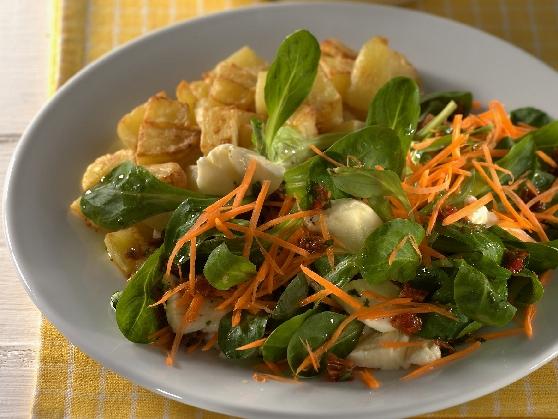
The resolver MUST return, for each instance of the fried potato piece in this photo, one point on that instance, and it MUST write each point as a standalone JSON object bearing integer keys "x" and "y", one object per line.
{"x": 128, "y": 248}
{"x": 129, "y": 125}
{"x": 102, "y": 166}
{"x": 225, "y": 125}
{"x": 168, "y": 133}
{"x": 375, "y": 65}
{"x": 170, "y": 173}
{"x": 337, "y": 62}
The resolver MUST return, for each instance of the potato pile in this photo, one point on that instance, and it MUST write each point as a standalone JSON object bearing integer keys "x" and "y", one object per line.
{"x": 166, "y": 135}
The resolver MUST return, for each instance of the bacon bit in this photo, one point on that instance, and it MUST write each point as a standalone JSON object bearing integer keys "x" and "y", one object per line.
{"x": 441, "y": 362}
{"x": 210, "y": 343}
{"x": 321, "y": 196}
{"x": 368, "y": 379}
{"x": 189, "y": 316}
{"x": 252, "y": 345}
{"x": 530, "y": 313}
{"x": 413, "y": 293}
{"x": 398, "y": 344}
{"x": 262, "y": 378}
{"x": 255, "y": 217}
{"x": 313, "y": 243}
{"x": 338, "y": 292}
{"x": 338, "y": 369}
{"x": 324, "y": 156}
{"x": 467, "y": 210}
{"x": 246, "y": 181}
{"x": 514, "y": 260}
{"x": 293, "y": 216}
{"x": 482, "y": 337}
{"x": 407, "y": 323}
{"x": 547, "y": 159}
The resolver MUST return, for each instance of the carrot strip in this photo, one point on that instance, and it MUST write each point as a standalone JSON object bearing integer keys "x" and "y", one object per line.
{"x": 528, "y": 214}
{"x": 189, "y": 316}
{"x": 326, "y": 236}
{"x": 311, "y": 355}
{"x": 374, "y": 295}
{"x": 396, "y": 344}
{"x": 210, "y": 343}
{"x": 440, "y": 202}
{"x": 545, "y": 196}
{"x": 262, "y": 378}
{"x": 368, "y": 379}
{"x": 293, "y": 216}
{"x": 530, "y": 313}
{"x": 426, "y": 190}
{"x": 324, "y": 156}
{"x": 249, "y": 237}
{"x": 169, "y": 294}
{"x": 252, "y": 345}
{"x": 498, "y": 335}
{"x": 235, "y": 321}
{"x": 441, "y": 362}
{"x": 338, "y": 292}
{"x": 467, "y": 210}
{"x": 314, "y": 297}
{"x": 245, "y": 184}
{"x": 223, "y": 228}
{"x": 396, "y": 249}
{"x": 269, "y": 259}
{"x": 424, "y": 143}
{"x": 546, "y": 277}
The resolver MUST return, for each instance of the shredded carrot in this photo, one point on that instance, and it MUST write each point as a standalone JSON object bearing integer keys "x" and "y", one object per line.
{"x": 223, "y": 228}
{"x": 518, "y": 233}
{"x": 398, "y": 344}
{"x": 189, "y": 316}
{"x": 169, "y": 294}
{"x": 311, "y": 355}
{"x": 210, "y": 343}
{"x": 424, "y": 143}
{"x": 246, "y": 180}
{"x": 314, "y": 297}
{"x": 191, "y": 348}
{"x": 547, "y": 159}
{"x": 192, "y": 273}
{"x": 397, "y": 248}
{"x": 498, "y": 168}
{"x": 531, "y": 186}
{"x": 440, "y": 202}
{"x": 252, "y": 345}
{"x": 550, "y": 210}
{"x": 427, "y": 250}
{"x": 269, "y": 259}
{"x": 426, "y": 190}
{"x": 338, "y": 292}
{"x": 262, "y": 378}
{"x": 235, "y": 321}
{"x": 324, "y": 156}
{"x": 326, "y": 236}
{"x": 441, "y": 362}
{"x": 293, "y": 216}
{"x": 546, "y": 277}
{"x": 498, "y": 335}
{"x": 467, "y": 210}
{"x": 374, "y": 295}
{"x": 528, "y": 214}
{"x": 545, "y": 196}
{"x": 368, "y": 379}
{"x": 255, "y": 217}
{"x": 530, "y": 312}
{"x": 273, "y": 367}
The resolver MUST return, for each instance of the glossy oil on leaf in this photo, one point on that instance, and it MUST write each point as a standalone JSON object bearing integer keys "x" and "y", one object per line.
{"x": 250, "y": 328}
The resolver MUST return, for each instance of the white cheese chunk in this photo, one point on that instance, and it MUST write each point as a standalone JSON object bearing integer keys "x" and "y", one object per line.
{"x": 223, "y": 169}
{"x": 207, "y": 320}
{"x": 480, "y": 215}
{"x": 349, "y": 222}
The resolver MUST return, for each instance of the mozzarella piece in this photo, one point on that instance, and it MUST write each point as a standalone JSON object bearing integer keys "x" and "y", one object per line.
{"x": 349, "y": 221}
{"x": 223, "y": 169}
{"x": 207, "y": 321}
{"x": 481, "y": 215}
{"x": 370, "y": 354}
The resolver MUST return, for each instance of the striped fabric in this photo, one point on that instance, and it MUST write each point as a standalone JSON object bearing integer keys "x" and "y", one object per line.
{"x": 70, "y": 384}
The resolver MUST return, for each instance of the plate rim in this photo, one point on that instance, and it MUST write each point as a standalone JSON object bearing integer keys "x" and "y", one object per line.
{"x": 209, "y": 403}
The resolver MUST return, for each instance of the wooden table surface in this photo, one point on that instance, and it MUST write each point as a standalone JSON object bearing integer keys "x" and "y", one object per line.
{"x": 24, "y": 40}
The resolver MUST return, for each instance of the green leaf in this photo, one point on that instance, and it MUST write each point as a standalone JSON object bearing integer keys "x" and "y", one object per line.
{"x": 289, "y": 301}
{"x": 435, "y": 326}
{"x": 290, "y": 79}
{"x": 461, "y": 238}
{"x": 477, "y": 298}
{"x": 275, "y": 346}
{"x": 542, "y": 256}
{"x": 396, "y": 106}
{"x": 530, "y": 116}
{"x": 316, "y": 330}
{"x": 525, "y": 288}
{"x": 497, "y": 274}
{"x": 434, "y": 103}
{"x": 519, "y": 160}
{"x": 224, "y": 269}
{"x": 374, "y": 185}
{"x": 136, "y": 320}
{"x": 470, "y": 329}
{"x": 346, "y": 267}
{"x": 249, "y": 329}
{"x": 382, "y": 242}
{"x": 545, "y": 138}
{"x": 258, "y": 140}
{"x": 129, "y": 194}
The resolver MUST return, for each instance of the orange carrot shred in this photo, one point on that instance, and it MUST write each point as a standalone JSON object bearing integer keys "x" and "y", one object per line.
{"x": 530, "y": 313}
{"x": 338, "y": 292}
{"x": 189, "y": 316}
{"x": 252, "y": 345}
{"x": 398, "y": 344}
{"x": 210, "y": 343}
{"x": 498, "y": 335}
{"x": 368, "y": 379}
{"x": 324, "y": 156}
{"x": 467, "y": 210}
{"x": 249, "y": 237}
{"x": 245, "y": 184}
{"x": 546, "y": 277}
{"x": 223, "y": 228}
{"x": 419, "y": 372}
{"x": 314, "y": 297}
{"x": 293, "y": 216}
{"x": 262, "y": 378}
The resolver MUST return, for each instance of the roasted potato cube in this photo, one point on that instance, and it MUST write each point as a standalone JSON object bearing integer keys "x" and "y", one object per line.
{"x": 102, "y": 166}
{"x": 348, "y": 126}
{"x": 323, "y": 105}
{"x": 129, "y": 125}
{"x": 225, "y": 125}
{"x": 337, "y": 49}
{"x": 170, "y": 173}
{"x": 75, "y": 208}
{"x": 233, "y": 81}
{"x": 375, "y": 65}
{"x": 200, "y": 89}
{"x": 167, "y": 134}
{"x": 184, "y": 94}
{"x": 337, "y": 63}
{"x": 127, "y": 248}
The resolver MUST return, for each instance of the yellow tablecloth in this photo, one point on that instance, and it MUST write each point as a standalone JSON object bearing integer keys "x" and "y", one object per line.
{"x": 70, "y": 384}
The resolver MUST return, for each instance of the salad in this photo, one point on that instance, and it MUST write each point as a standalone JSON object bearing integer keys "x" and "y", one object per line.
{"x": 322, "y": 216}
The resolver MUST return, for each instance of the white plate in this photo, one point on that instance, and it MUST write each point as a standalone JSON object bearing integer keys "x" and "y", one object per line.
{"x": 66, "y": 272}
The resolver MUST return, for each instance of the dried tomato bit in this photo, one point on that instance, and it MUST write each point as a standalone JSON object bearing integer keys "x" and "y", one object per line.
{"x": 313, "y": 243}
{"x": 413, "y": 293}
{"x": 339, "y": 369}
{"x": 321, "y": 196}
{"x": 514, "y": 260}
{"x": 448, "y": 210}
{"x": 408, "y": 323}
